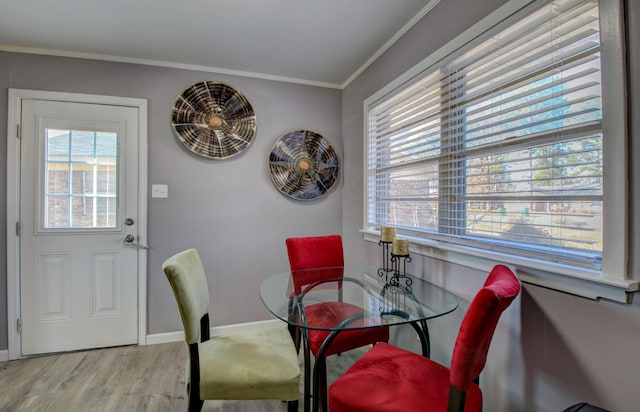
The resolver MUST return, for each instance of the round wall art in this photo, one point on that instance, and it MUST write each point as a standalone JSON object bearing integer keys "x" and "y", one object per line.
{"x": 303, "y": 165}
{"x": 213, "y": 120}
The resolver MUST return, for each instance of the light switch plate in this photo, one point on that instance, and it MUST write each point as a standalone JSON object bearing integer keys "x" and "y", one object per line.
{"x": 161, "y": 191}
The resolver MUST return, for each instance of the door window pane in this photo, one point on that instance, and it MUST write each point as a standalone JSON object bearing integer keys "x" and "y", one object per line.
{"x": 57, "y": 212}
{"x": 81, "y": 176}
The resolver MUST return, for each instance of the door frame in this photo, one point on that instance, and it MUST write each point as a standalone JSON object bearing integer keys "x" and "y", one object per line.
{"x": 13, "y": 202}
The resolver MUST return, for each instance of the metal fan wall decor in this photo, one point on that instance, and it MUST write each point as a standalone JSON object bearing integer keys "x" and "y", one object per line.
{"x": 213, "y": 120}
{"x": 303, "y": 165}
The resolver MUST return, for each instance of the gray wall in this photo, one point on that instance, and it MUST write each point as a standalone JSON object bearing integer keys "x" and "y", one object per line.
{"x": 229, "y": 209}
{"x": 551, "y": 349}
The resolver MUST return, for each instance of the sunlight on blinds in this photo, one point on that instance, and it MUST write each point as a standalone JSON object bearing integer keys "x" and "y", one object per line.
{"x": 502, "y": 144}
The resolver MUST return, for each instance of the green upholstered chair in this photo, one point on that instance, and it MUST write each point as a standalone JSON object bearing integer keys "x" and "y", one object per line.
{"x": 256, "y": 364}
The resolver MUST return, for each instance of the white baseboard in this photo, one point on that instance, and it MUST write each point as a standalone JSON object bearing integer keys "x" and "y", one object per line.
{"x": 164, "y": 338}
{"x": 168, "y": 337}
{"x": 215, "y": 331}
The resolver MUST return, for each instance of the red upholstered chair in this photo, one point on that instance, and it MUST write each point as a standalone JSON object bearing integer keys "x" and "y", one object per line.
{"x": 388, "y": 378}
{"x": 325, "y": 252}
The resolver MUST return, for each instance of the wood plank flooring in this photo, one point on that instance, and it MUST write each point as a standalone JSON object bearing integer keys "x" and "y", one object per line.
{"x": 128, "y": 378}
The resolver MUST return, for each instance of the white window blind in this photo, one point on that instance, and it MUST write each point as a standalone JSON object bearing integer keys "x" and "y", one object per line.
{"x": 500, "y": 145}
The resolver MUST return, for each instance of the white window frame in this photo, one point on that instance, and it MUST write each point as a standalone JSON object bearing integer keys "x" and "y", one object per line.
{"x": 614, "y": 281}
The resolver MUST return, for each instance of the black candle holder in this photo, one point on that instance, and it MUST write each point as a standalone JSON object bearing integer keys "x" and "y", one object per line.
{"x": 394, "y": 268}
{"x": 386, "y": 271}
{"x": 399, "y": 277}
{"x": 397, "y": 285}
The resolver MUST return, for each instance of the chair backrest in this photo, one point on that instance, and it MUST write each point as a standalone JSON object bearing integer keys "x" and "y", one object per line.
{"x": 478, "y": 325}
{"x": 189, "y": 283}
{"x": 314, "y": 252}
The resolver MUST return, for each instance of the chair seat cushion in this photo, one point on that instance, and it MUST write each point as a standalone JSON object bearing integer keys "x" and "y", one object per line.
{"x": 404, "y": 381}
{"x": 256, "y": 364}
{"x": 329, "y": 314}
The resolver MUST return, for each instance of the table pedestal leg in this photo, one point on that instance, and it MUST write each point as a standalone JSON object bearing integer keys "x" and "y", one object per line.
{"x": 422, "y": 330}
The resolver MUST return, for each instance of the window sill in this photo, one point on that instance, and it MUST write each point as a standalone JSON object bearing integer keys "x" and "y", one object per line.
{"x": 580, "y": 282}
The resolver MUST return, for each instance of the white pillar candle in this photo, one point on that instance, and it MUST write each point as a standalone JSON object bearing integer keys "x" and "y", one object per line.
{"x": 387, "y": 233}
{"x": 400, "y": 247}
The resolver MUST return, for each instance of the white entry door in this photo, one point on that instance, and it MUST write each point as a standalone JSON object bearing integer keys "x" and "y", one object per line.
{"x": 78, "y": 203}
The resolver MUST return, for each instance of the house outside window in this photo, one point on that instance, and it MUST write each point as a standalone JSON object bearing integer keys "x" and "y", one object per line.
{"x": 81, "y": 179}
{"x": 502, "y": 144}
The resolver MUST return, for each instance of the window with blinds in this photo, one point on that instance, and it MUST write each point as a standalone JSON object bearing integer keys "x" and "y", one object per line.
{"x": 499, "y": 146}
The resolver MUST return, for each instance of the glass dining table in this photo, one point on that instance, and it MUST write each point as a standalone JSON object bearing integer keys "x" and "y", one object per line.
{"x": 387, "y": 298}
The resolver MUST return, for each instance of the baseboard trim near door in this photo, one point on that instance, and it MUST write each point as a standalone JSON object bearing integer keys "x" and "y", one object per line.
{"x": 4, "y": 355}
{"x": 168, "y": 337}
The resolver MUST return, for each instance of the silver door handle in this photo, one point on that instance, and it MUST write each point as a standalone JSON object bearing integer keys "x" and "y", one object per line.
{"x": 129, "y": 240}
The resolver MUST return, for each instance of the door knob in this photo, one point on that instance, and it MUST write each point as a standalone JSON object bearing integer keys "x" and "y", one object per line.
{"x": 129, "y": 240}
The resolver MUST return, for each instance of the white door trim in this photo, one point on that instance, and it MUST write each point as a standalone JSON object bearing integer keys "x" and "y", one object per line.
{"x": 13, "y": 202}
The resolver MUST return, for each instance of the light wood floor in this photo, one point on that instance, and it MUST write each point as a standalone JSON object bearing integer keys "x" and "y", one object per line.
{"x": 128, "y": 378}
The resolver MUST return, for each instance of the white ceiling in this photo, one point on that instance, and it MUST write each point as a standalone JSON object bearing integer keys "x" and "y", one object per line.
{"x": 323, "y": 42}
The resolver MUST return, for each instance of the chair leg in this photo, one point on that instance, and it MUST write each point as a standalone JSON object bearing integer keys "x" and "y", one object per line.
{"x": 322, "y": 392}
{"x": 295, "y": 336}
{"x": 292, "y": 406}
{"x": 457, "y": 400}
{"x": 297, "y": 339}
{"x": 195, "y": 404}
{"x": 320, "y": 385}
{"x": 193, "y": 386}
{"x": 307, "y": 378}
